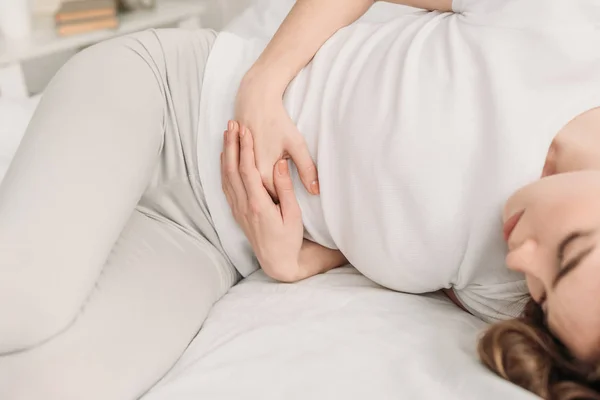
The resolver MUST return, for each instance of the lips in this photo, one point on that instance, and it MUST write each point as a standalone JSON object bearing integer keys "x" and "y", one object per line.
{"x": 511, "y": 223}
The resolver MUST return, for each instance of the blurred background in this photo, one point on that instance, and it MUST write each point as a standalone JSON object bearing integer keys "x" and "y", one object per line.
{"x": 38, "y": 36}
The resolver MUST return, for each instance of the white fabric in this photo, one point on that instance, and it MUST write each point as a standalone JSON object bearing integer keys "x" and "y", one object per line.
{"x": 422, "y": 124}
{"x": 334, "y": 336}
{"x": 14, "y": 117}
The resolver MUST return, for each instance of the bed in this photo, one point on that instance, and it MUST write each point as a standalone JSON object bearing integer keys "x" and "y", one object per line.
{"x": 334, "y": 336}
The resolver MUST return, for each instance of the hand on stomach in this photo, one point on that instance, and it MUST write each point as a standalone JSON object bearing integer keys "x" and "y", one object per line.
{"x": 275, "y": 231}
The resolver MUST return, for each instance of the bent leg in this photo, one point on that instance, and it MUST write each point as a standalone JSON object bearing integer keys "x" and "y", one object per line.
{"x": 152, "y": 297}
{"x": 83, "y": 164}
{"x": 98, "y": 301}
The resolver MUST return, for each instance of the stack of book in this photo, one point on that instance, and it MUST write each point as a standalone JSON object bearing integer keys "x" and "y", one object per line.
{"x": 81, "y": 16}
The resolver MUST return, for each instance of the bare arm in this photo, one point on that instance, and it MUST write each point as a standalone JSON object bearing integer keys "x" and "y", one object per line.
{"x": 307, "y": 27}
{"x": 432, "y": 5}
{"x": 258, "y": 104}
{"x": 315, "y": 259}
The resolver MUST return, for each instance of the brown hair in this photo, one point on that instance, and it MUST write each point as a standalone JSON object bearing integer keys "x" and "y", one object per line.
{"x": 525, "y": 352}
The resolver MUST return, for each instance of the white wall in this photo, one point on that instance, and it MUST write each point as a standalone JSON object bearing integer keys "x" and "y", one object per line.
{"x": 230, "y": 8}
{"x": 39, "y": 72}
{"x": 221, "y": 11}
{"x": 45, "y": 6}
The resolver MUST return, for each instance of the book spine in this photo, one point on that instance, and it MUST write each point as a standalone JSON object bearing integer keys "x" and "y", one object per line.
{"x": 80, "y": 15}
{"x": 90, "y": 26}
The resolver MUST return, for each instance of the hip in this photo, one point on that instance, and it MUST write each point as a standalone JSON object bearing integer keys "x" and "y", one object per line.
{"x": 175, "y": 193}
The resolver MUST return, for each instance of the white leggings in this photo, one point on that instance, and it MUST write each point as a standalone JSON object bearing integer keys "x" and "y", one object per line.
{"x": 109, "y": 261}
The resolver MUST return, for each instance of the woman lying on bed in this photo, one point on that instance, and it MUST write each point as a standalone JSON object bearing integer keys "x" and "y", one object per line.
{"x": 116, "y": 236}
{"x": 421, "y": 127}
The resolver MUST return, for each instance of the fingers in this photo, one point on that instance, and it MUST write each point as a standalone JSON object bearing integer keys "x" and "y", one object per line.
{"x": 290, "y": 210}
{"x": 257, "y": 194}
{"x": 264, "y": 163}
{"x": 298, "y": 151}
{"x": 231, "y": 161}
{"x": 225, "y": 185}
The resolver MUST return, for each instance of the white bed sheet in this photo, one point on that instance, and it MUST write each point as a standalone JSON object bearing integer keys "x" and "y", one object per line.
{"x": 334, "y": 336}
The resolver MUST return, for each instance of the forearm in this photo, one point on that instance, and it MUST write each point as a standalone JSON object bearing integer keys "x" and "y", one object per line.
{"x": 314, "y": 259}
{"x": 432, "y": 5}
{"x": 306, "y": 28}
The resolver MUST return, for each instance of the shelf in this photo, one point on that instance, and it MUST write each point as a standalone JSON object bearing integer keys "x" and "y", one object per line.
{"x": 45, "y": 41}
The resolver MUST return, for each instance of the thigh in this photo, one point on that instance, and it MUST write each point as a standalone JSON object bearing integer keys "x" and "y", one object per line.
{"x": 151, "y": 299}
{"x": 84, "y": 162}
{"x": 116, "y": 122}
{"x": 183, "y": 55}
{"x": 176, "y": 192}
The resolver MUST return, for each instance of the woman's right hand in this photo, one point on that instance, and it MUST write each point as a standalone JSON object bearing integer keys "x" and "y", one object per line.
{"x": 275, "y": 231}
{"x": 259, "y": 107}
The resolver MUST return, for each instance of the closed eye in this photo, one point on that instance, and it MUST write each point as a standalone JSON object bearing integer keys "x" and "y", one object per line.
{"x": 567, "y": 241}
{"x": 571, "y": 265}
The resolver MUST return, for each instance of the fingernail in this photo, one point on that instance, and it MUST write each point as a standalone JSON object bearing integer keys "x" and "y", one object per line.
{"x": 282, "y": 167}
{"x": 243, "y": 132}
{"x": 230, "y": 125}
{"x": 315, "y": 188}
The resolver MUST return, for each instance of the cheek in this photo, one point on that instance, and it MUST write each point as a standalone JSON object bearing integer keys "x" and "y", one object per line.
{"x": 545, "y": 222}
{"x": 568, "y": 321}
{"x": 532, "y": 198}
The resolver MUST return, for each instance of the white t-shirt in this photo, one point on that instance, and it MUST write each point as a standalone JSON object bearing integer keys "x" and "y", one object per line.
{"x": 422, "y": 124}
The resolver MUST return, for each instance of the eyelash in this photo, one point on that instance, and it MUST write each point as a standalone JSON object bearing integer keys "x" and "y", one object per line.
{"x": 561, "y": 257}
{"x": 542, "y": 301}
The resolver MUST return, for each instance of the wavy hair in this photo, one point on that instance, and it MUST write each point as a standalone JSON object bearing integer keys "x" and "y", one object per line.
{"x": 525, "y": 352}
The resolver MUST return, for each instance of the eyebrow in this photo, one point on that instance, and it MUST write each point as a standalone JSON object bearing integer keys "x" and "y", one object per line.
{"x": 571, "y": 265}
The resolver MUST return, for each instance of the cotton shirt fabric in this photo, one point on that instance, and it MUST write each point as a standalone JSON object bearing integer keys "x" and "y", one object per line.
{"x": 422, "y": 124}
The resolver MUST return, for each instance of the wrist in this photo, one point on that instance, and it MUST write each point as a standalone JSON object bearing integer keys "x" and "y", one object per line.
{"x": 271, "y": 80}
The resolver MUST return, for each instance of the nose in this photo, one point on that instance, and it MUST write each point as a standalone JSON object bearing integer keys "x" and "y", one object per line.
{"x": 527, "y": 260}
{"x": 521, "y": 259}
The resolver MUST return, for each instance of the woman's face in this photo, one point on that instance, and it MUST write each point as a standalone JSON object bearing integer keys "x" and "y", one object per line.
{"x": 556, "y": 239}
{"x": 556, "y": 244}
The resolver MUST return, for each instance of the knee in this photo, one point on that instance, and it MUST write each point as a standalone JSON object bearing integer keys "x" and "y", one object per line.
{"x": 120, "y": 73}
{"x": 28, "y": 318}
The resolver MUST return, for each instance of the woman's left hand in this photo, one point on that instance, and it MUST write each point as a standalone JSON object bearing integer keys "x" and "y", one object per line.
{"x": 275, "y": 231}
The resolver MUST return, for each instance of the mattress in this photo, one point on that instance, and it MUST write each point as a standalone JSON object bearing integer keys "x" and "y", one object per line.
{"x": 333, "y": 336}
